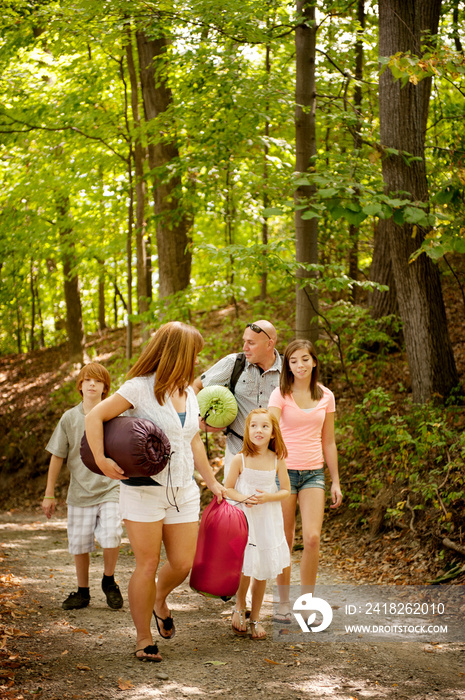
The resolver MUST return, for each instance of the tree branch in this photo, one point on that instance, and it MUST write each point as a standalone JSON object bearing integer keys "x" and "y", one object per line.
{"x": 35, "y": 127}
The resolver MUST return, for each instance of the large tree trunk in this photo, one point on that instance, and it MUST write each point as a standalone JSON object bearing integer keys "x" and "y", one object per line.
{"x": 74, "y": 323}
{"x": 403, "y": 116}
{"x": 173, "y": 224}
{"x": 382, "y": 303}
{"x": 139, "y": 185}
{"x": 306, "y": 230}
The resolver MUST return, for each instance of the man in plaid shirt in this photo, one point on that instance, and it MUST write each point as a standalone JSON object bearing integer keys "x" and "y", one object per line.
{"x": 261, "y": 367}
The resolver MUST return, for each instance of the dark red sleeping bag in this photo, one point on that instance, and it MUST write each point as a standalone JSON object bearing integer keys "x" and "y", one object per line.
{"x": 137, "y": 445}
{"x": 222, "y": 539}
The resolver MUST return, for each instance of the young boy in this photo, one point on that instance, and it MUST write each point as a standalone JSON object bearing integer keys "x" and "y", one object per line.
{"x": 93, "y": 500}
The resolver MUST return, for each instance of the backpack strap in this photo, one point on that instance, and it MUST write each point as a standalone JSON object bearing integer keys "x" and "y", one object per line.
{"x": 238, "y": 368}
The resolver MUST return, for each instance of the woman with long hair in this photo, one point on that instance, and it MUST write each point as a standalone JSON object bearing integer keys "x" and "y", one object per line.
{"x": 164, "y": 508}
{"x": 305, "y": 410}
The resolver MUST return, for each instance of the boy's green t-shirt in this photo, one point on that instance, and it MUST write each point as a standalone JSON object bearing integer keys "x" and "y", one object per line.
{"x": 85, "y": 487}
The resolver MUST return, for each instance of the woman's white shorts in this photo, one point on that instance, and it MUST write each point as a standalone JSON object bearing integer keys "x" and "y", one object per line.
{"x": 149, "y": 504}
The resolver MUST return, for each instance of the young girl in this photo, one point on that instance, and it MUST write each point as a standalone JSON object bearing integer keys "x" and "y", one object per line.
{"x": 305, "y": 410}
{"x": 251, "y": 482}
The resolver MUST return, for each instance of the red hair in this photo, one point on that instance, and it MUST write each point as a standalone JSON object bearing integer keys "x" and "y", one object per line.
{"x": 94, "y": 370}
{"x": 171, "y": 354}
{"x": 276, "y": 443}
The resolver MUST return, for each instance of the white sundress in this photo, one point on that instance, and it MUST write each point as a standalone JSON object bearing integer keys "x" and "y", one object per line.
{"x": 267, "y": 552}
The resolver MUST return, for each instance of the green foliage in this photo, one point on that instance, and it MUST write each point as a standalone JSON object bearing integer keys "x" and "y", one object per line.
{"x": 64, "y": 128}
{"x": 417, "y": 453}
{"x": 438, "y": 60}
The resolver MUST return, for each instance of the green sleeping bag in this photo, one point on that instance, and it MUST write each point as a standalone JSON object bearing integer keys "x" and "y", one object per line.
{"x": 217, "y": 405}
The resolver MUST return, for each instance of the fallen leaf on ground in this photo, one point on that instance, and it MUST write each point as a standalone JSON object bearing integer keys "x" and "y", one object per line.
{"x": 270, "y": 661}
{"x": 215, "y": 663}
{"x": 124, "y": 685}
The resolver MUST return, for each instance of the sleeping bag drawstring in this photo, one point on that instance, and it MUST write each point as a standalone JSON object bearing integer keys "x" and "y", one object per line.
{"x": 206, "y": 434}
{"x": 168, "y": 484}
{"x": 245, "y": 499}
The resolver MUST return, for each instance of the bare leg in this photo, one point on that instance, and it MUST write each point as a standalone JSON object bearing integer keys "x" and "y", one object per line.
{"x": 110, "y": 557}
{"x": 145, "y": 539}
{"x": 312, "y": 505}
{"x": 258, "y": 593}
{"x": 81, "y": 562}
{"x": 284, "y": 580}
{"x": 180, "y": 541}
{"x": 238, "y": 617}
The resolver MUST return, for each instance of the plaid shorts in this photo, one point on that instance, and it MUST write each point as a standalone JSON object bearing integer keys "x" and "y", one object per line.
{"x": 101, "y": 522}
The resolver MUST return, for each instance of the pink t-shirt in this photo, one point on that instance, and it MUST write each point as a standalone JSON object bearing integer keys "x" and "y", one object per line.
{"x": 301, "y": 429}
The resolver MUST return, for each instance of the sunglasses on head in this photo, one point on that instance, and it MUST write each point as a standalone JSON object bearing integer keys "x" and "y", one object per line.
{"x": 256, "y": 329}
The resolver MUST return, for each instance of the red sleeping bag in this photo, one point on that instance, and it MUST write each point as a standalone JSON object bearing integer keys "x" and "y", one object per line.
{"x": 137, "y": 445}
{"x": 223, "y": 534}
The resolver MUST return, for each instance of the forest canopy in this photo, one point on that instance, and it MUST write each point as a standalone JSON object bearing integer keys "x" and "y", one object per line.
{"x": 176, "y": 156}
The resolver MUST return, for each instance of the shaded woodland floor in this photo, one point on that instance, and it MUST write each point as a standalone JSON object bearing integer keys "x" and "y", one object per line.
{"x": 49, "y": 653}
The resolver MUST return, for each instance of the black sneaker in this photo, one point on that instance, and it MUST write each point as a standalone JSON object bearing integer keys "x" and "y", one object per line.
{"x": 114, "y": 597}
{"x": 75, "y": 601}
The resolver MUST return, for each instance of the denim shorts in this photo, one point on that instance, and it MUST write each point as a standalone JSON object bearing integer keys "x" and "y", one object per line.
{"x": 306, "y": 479}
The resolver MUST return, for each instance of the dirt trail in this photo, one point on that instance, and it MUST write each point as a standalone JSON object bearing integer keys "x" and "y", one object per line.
{"x": 87, "y": 653}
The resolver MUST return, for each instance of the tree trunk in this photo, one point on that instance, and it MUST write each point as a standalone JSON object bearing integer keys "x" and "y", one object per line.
{"x": 173, "y": 224}
{"x": 455, "y": 26}
{"x": 266, "y": 199}
{"x": 74, "y": 324}
{"x": 382, "y": 303}
{"x": 101, "y": 296}
{"x": 403, "y": 116}
{"x": 39, "y": 312}
{"x": 306, "y": 230}
{"x": 354, "y": 231}
{"x": 33, "y": 308}
{"x": 139, "y": 185}
{"x": 129, "y": 331}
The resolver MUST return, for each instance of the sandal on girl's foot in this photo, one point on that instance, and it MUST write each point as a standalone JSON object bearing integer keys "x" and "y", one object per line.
{"x": 242, "y": 623}
{"x": 283, "y": 616}
{"x": 150, "y": 652}
{"x": 167, "y": 626}
{"x": 257, "y": 632}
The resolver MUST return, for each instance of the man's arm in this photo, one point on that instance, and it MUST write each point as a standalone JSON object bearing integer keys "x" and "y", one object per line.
{"x": 218, "y": 374}
{"x": 197, "y": 385}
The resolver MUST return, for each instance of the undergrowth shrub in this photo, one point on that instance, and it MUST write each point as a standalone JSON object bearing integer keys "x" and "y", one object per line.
{"x": 416, "y": 454}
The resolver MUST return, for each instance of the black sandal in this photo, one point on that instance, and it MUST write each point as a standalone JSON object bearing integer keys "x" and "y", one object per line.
{"x": 149, "y": 649}
{"x": 168, "y": 625}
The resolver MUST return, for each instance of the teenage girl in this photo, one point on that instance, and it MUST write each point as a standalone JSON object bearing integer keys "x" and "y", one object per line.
{"x": 251, "y": 482}
{"x": 305, "y": 410}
